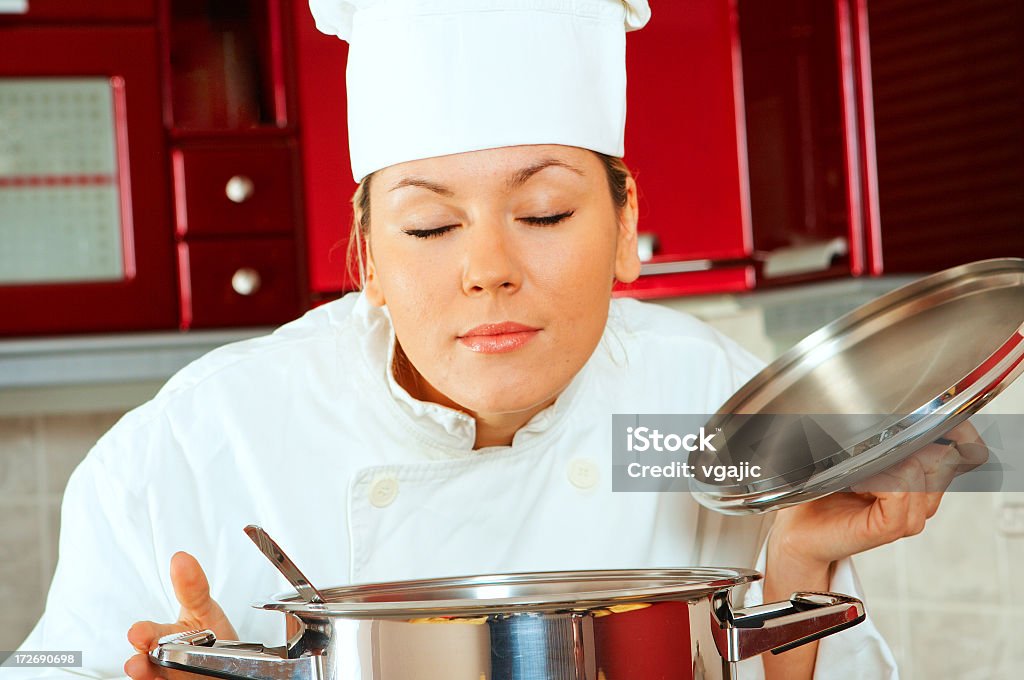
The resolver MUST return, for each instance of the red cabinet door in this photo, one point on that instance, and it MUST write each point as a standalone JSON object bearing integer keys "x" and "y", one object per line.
{"x": 327, "y": 176}
{"x": 948, "y": 95}
{"x": 686, "y": 147}
{"x": 136, "y": 292}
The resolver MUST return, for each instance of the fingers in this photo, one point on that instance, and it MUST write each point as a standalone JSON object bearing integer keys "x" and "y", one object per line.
{"x": 963, "y": 450}
{"x": 901, "y": 509}
{"x": 891, "y": 505}
{"x": 192, "y": 589}
{"x": 190, "y": 585}
{"x": 939, "y": 463}
{"x": 144, "y": 634}
{"x": 139, "y": 667}
{"x": 972, "y": 448}
{"x": 943, "y": 462}
{"x": 198, "y": 610}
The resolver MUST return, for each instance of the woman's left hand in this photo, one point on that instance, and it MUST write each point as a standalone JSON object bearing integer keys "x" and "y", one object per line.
{"x": 806, "y": 539}
{"x": 890, "y": 506}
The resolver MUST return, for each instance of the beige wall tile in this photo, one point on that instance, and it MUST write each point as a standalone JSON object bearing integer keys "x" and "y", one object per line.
{"x": 956, "y": 644}
{"x": 20, "y": 561}
{"x": 15, "y": 625}
{"x": 1011, "y": 666}
{"x": 66, "y": 439}
{"x": 954, "y": 559}
{"x": 1014, "y": 574}
{"x": 880, "y": 571}
{"x": 19, "y": 469}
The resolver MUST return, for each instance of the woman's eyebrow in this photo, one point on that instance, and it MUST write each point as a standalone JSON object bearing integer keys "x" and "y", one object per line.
{"x": 514, "y": 181}
{"x": 519, "y": 177}
{"x": 424, "y": 183}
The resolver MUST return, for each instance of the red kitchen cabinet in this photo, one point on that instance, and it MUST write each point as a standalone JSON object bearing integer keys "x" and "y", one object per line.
{"x": 807, "y": 130}
{"x": 746, "y": 134}
{"x": 322, "y": 121}
{"x": 948, "y": 94}
{"x": 148, "y": 146}
{"x": 685, "y": 145}
{"x": 84, "y": 200}
{"x": 229, "y": 109}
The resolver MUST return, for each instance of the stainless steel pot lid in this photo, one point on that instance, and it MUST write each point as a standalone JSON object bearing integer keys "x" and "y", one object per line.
{"x": 872, "y": 388}
{"x": 501, "y": 593}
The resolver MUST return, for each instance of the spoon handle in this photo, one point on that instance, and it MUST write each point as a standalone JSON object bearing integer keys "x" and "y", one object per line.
{"x": 273, "y": 551}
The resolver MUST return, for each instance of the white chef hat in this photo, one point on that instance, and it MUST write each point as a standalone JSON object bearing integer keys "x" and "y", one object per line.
{"x": 435, "y": 77}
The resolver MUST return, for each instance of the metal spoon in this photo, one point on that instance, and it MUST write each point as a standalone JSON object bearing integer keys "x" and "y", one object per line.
{"x": 273, "y": 551}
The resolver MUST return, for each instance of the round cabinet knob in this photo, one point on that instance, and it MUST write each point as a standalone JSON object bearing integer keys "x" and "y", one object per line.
{"x": 246, "y": 281}
{"x": 239, "y": 189}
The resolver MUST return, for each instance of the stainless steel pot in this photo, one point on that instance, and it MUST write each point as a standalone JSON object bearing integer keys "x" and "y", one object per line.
{"x": 584, "y": 625}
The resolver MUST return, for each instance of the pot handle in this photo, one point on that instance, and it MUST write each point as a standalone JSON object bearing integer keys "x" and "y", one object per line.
{"x": 199, "y": 651}
{"x": 780, "y": 626}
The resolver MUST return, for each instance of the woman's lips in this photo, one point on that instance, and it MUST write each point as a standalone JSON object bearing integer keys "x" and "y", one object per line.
{"x": 496, "y": 338}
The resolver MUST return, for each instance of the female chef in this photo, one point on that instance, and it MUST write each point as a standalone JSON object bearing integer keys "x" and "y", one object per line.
{"x": 454, "y": 416}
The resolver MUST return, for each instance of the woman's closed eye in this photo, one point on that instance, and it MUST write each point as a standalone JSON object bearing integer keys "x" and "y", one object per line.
{"x": 548, "y": 220}
{"x": 541, "y": 220}
{"x": 430, "y": 233}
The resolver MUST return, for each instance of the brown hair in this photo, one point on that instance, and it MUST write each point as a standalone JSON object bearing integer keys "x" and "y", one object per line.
{"x": 615, "y": 170}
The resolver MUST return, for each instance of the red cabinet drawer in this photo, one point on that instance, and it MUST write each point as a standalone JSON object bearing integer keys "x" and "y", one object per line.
{"x": 234, "y": 190}
{"x": 228, "y": 282}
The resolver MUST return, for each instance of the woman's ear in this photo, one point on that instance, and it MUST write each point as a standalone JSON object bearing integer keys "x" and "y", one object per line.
{"x": 627, "y": 258}
{"x": 371, "y": 287}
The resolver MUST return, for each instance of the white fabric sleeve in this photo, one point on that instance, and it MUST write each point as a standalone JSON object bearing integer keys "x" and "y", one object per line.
{"x": 851, "y": 654}
{"x": 107, "y": 576}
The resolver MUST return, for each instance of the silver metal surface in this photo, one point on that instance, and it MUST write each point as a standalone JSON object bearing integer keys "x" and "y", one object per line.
{"x": 777, "y": 627}
{"x": 199, "y": 638}
{"x": 904, "y": 369}
{"x": 546, "y": 626}
{"x": 675, "y": 267}
{"x": 495, "y": 594}
{"x": 284, "y": 564}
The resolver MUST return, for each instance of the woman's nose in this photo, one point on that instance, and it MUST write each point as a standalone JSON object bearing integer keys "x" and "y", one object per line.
{"x": 491, "y": 264}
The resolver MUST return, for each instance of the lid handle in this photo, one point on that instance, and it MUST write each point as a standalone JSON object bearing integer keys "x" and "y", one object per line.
{"x": 780, "y": 626}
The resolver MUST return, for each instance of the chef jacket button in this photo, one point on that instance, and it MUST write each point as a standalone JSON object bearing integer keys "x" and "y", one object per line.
{"x": 582, "y": 473}
{"x": 383, "y": 492}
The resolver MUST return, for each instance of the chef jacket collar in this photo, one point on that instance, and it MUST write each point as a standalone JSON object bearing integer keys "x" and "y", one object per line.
{"x": 449, "y": 429}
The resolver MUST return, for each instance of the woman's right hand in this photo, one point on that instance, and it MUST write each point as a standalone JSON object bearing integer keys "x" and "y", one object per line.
{"x": 198, "y": 611}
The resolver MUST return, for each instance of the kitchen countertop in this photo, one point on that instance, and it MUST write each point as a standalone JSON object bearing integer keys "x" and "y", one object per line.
{"x": 98, "y": 372}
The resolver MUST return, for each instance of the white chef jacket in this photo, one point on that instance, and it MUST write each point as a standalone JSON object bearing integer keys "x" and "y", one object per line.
{"x": 307, "y": 433}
